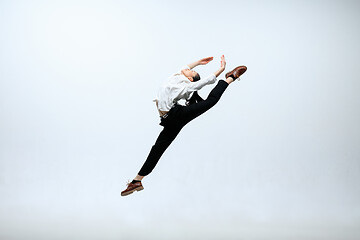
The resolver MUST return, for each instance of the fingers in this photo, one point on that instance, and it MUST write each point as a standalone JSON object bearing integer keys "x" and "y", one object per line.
{"x": 223, "y": 62}
{"x": 206, "y": 60}
{"x": 223, "y": 59}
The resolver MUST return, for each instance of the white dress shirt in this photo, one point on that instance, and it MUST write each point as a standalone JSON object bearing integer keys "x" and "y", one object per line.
{"x": 179, "y": 87}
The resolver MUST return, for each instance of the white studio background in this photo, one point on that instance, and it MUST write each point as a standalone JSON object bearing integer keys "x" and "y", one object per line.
{"x": 277, "y": 158}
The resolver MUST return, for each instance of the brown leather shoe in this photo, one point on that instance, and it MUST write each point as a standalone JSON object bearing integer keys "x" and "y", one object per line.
{"x": 132, "y": 187}
{"x": 237, "y": 72}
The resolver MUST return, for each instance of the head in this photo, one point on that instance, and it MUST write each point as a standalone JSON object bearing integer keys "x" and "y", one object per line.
{"x": 191, "y": 75}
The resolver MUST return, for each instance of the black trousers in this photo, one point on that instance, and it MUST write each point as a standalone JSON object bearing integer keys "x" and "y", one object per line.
{"x": 175, "y": 120}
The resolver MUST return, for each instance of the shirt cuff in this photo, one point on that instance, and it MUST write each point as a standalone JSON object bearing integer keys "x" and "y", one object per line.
{"x": 212, "y": 78}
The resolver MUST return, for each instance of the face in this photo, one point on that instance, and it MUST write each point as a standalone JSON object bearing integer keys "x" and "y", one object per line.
{"x": 190, "y": 74}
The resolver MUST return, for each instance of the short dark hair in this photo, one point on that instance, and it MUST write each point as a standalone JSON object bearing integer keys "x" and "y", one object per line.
{"x": 196, "y": 77}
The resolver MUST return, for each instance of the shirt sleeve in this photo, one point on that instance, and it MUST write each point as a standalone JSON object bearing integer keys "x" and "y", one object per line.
{"x": 196, "y": 86}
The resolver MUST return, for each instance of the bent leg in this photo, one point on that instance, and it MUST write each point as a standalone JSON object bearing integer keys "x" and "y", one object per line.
{"x": 167, "y": 135}
{"x": 192, "y": 111}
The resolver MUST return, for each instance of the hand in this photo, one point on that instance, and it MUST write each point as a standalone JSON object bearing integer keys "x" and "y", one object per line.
{"x": 222, "y": 66}
{"x": 223, "y": 62}
{"x": 205, "y": 60}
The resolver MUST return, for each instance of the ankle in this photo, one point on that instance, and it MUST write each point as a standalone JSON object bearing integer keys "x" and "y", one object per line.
{"x": 229, "y": 80}
{"x": 138, "y": 177}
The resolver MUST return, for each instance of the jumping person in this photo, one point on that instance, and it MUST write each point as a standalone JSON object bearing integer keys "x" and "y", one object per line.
{"x": 173, "y": 116}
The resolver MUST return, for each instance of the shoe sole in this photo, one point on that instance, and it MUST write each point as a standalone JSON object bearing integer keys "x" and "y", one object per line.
{"x": 130, "y": 192}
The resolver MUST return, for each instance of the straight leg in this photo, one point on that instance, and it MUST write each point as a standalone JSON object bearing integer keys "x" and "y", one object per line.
{"x": 190, "y": 112}
{"x": 166, "y": 137}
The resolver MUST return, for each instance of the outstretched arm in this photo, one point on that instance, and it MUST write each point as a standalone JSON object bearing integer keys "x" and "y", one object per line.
{"x": 200, "y": 62}
{"x": 195, "y": 86}
{"x": 222, "y": 66}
